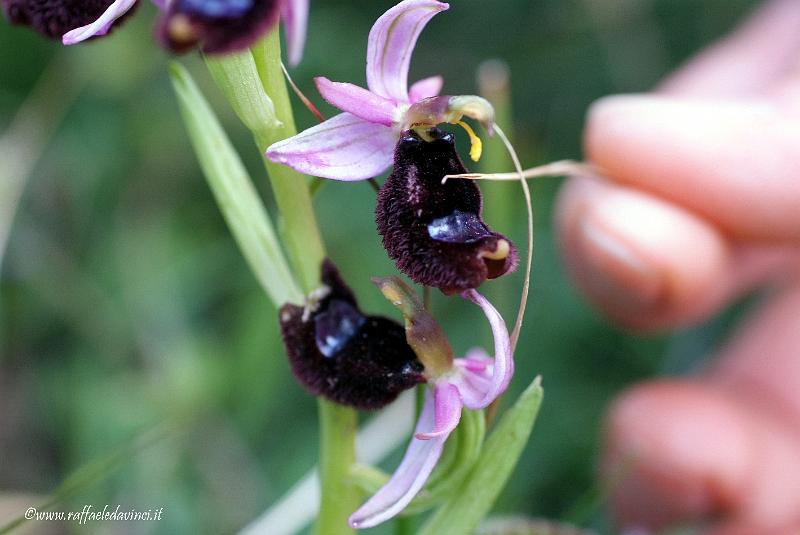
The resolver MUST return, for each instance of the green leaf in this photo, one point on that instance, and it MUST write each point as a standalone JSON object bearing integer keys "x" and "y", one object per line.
{"x": 498, "y": 458}
{"x": 237, "y": 198}
{"x": 237, "y": 77}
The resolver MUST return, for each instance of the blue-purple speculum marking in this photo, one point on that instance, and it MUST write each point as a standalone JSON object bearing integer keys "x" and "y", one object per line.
{"x": 434, "y": 231}
{"x": 340, "y": 353}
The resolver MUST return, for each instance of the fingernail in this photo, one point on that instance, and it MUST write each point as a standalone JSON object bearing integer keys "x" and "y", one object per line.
{"x": 618, "y": 275}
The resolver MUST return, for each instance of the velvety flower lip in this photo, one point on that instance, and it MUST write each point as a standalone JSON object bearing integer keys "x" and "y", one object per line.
{"x": 338, "y": 352}
{"x": 376, "y": 115}
{"x": 474, "y": 381}
{"x": 434, "y": 231}
{"x": 216, "y": 26}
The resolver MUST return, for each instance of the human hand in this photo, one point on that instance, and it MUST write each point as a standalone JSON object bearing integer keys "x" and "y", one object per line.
{"x": 700, "y": 203}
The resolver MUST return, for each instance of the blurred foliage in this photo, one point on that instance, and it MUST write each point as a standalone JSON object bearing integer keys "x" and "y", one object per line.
{"x": 124, "y": 301}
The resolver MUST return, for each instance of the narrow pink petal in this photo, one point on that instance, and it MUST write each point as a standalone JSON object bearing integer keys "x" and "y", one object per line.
{"x": 417, "y": 464}
{"x": 503, "y": 367}
{"x": 447, "y": 408}
{"x": 357, "y": 100}
{"x": 342, "y": 148}
{"x": 427, "y": 87}
{"x": 99, "y": 26}
{"x": 294, "y": 14}
{"x": 391, "y": 42}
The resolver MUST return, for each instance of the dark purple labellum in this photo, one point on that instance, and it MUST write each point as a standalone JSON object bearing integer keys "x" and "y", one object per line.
{"x": 54, "y": 18}
{"x": 216, "y": 26}
{"x": 434, "y": 231}
{"x": 337, "y": 352}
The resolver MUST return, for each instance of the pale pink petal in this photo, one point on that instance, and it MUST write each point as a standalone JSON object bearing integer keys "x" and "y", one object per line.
{"x": 476, "y": 360}
{"x": 503, "y": 366}
{"x": 417, "y": 464}
{"x": 342, "y": 148}
{"x": 294, "y": 14}
{"x": 427, "y": 87}
{"x": 357, "y": 100}
{"x": 391, "y": 42}
{"x": 99, "y": 26}
{"x": 447, "y": 408}
{"x": 473, "y": 381}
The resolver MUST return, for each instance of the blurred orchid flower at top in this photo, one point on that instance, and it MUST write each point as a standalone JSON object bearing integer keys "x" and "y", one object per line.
{"x": 215, "y": 26}
{"x": 474, "y": 382}
{"x": 358, "y": 144}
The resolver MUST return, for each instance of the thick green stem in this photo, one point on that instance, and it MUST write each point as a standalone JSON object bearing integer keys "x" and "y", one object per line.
{"x": 339, "y": 498}
{"x": 255, "y": 86}
{"x": 338, "y": 424}
{"x": 290, "y": 187}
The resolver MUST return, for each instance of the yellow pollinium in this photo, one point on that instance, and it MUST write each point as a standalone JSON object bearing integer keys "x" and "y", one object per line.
{"x": 476, "y": 145}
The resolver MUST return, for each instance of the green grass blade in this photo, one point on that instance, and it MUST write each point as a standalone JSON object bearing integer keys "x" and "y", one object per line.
{"x": 234, "y": 191}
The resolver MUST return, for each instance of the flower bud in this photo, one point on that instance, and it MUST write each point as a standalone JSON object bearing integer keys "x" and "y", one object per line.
{"x": 337, "y": 352}
{"x": 434, "y": 231}
{"x": 422, "y": 332}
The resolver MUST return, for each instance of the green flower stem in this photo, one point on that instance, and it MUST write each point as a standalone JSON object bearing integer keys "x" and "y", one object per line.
{"x": 254, "y": 84}
{"x": 338, "y": 424}
{"x": 291, "y": 188}
{"x": 339, "y": 497}
{"x": 262, "y": 103}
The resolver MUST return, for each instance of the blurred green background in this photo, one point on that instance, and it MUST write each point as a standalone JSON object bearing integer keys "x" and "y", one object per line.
{"x": 125, "y": 302}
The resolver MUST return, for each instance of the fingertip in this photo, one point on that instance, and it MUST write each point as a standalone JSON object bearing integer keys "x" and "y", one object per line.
{"x": 680, "y": 453}
{"x": 674, "y": 452}
{"x": 644, "y": 262}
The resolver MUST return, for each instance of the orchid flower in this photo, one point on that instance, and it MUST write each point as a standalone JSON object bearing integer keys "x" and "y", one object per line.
{"x": 433, "y": 230}
{"x": 474, "y": 382}
{"x": 358, "y": 144}
{"x": 216, "y": 26}
{"x": 338, "y": 352}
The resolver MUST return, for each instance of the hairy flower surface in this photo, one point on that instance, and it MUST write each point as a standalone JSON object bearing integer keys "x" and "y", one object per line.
{"x": 434, "y": 231}
{"x": 351, "y": 358}
{"x": 474, "y": 382}
{"x": 358, "y": 144}
{"x": 214, "y": 26}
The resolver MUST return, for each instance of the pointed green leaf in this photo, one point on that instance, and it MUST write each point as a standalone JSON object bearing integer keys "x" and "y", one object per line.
{"x": 237, "y": 77}
{"x": 237, "y": 198}
{"x": 499, "y": 456}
